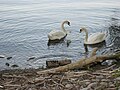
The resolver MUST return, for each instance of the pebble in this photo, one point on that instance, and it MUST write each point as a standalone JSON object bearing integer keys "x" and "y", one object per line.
{"x": 1, "y": 86}
{"x": 111, "y": 89}
{"x": 103, "y": 84}
{"x": 95, "y": 80}
{"x": 92, "y": 85}
{"x": 68, "y": 85}
{"x": 39, "y": 79}
{"x": 99, "y": 77}
{"x": 7, "y": 64}
{"x": 105, "y": 80}
{"x": 2, "y": 56}
{"x": 8, "y": 58}
{"x": 87, "y": 83}
{"x": 118, "y": 78}
{"x": 14, "y": 65}
{"x": 31, "y": 58}
{"x": 111, "y": 85}
{"x": 68, "y": 42}
{"x": 108, "y": 62}
{"x": 85, "y": 89}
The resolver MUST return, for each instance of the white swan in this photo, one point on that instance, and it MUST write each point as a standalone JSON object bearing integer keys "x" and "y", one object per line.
{"x": 58, "y": 35}
{"x": 94, "y": 38}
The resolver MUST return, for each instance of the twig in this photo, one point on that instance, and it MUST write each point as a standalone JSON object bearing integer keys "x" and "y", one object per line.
{"x": 62, "y": 78}
{"x": 12, "y": 76}
{"x": 57, "y": 83}
{"x": 11, "y": 85}
{"x": 108, "y": 68}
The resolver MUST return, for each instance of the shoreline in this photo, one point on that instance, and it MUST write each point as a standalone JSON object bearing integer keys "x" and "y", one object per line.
{"x": 94, "y": 78}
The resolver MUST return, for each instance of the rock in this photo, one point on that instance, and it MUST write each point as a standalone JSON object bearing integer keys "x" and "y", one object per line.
{"x": 7, "y": 64}
{"x": 103, "y": 84}
{"x": 112, "y": 89}
{"x": 112, "y": 86}
{"x": 87, "y": 83}
{"x": 108, "y": 62}
{"x": 51, "y": 64}
{"x": 95, "y": 80}
{"x": 105, "y": 80}
{"x": 99, "y": 77}
{"x": 2, "y": 56}
{"x": 15, "y": 65}
{"x": 68, "y": 42}
{"x": 118, "y": 78}
{"x": 92, "y": 85}
{"x": 85, "y": 89}
{"x": 1, "y": 87}
{"x": 56, "y": 63}
{"x": 8, "y": 58}
{"x": 68, "y": 85}
{"x": 39, "y": 79}
{"x": 31, "y": 58}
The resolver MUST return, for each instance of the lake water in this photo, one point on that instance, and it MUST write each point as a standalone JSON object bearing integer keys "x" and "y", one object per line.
{"x": 24, "y": 25}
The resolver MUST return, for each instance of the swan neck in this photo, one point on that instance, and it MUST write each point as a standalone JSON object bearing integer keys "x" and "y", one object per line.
{"x": 86, "y": 38}
{"x": 63, "y": 28}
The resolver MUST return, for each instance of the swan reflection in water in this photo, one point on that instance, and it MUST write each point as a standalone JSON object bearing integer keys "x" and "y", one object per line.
{"x": 56, "y": 42}
{"x": 98, "y": 45}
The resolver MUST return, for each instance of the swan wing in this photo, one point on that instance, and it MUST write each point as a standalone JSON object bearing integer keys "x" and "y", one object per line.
{"x": 96, "y": 38}
{"x": 56, "y": 35}
{"x": 53, "y": 31}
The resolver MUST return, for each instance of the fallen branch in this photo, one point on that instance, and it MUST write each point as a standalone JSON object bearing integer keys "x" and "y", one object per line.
{"x": 82, "y": 62}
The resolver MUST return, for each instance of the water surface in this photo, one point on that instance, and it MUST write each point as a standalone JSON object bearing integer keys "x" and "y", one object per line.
{"x": 24, "y": 25}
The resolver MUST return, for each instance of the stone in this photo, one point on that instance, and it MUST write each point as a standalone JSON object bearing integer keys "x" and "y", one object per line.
{"x": 68, "y": 85}
{"x": 2, "y": 56}
{"x": 31, "y": 58}
{"x": 118, "y": 78}
{"x": 92, "y": 85}
{"x": 7, "y": 64}
{"x": 108, "y": 62}
{"x": 15, "y": 65}
{"x": 8, "y": 58}
{"x": 39, "y": 79}
{"x": 99, "y": 77}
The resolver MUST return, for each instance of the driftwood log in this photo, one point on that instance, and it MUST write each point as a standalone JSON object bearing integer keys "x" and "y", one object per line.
{"x": 82, "y": 62}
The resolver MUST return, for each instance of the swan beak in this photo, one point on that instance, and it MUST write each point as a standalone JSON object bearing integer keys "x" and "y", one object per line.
{"x": 69, "y": 23}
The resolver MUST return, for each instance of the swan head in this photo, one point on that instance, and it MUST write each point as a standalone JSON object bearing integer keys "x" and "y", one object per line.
{"x": 67, "y": 22}
{"x": 82, "y": 29}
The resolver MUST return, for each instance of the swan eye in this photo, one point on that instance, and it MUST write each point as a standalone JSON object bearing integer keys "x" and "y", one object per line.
{"x": 80, "y": 30}
{"x": 69, "y": 23}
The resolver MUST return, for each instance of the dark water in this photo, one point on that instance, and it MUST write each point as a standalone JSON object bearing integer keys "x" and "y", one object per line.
{"x": 24, "y": 25}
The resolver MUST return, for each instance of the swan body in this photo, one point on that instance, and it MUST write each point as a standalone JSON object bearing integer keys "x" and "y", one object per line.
{"x": 58, "y": 35}
{"x": 95, "y": 38}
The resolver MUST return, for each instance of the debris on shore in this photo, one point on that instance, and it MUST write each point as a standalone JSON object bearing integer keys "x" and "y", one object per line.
{"x": 98, "y": 78}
